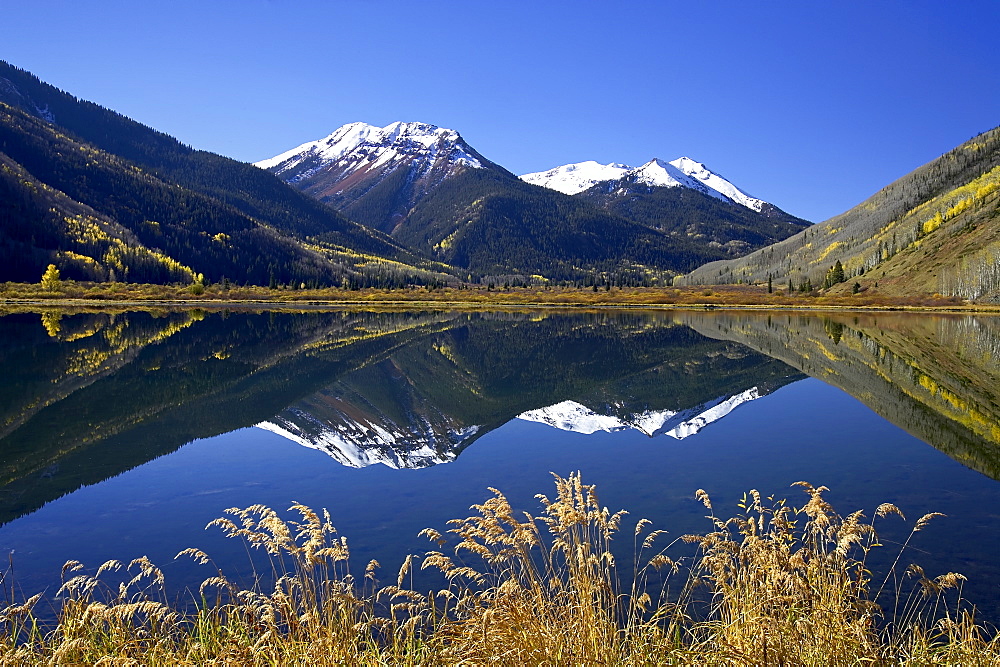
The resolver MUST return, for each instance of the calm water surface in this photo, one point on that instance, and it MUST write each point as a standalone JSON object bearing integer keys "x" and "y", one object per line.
{"x": 123, "y": 435}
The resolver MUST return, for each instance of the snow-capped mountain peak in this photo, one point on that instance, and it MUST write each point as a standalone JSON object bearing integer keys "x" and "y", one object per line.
{"x": 658, "y": 173}
{"x": 573, "y": 416}
{"x": 362, "y": 147}
{"x": 572, "y": 178}
{"x": 359, "y": 441}
{"x": 683, "y": 172}
{"x": 703, "y": 174}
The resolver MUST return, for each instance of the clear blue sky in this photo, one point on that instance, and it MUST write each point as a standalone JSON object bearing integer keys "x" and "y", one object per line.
{"x": 811, "y": 105}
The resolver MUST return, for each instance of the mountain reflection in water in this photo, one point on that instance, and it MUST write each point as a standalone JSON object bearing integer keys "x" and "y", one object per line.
{"x": 86, "y": 396}
{"x": 935, "y": 376}
{"x": 670, "y": 402}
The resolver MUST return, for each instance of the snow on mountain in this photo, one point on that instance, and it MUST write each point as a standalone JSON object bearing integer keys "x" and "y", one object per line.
{"x": 359, "y": 146}
{"x": 359, "y": 149}
{"x": 360, "y": 443}
{"x": 717, "y": 183}
{"x": 684, "y": 172}
{"x": 572, "y": 416}
{"x": 711, "y": 413}
{"x": 572, "y": 178}
{"x": 658, "y": 173}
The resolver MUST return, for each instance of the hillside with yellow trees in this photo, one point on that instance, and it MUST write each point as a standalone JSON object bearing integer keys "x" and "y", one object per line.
{"x": 934, "y": 231}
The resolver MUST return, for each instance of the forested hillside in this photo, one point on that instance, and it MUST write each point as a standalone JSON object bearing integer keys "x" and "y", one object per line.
{"x": 40, "y": 225}
{"x": 190, "y": 232}
{"x": 105, "y": 198}
{"x": 725, "y": 229}
{"x": 239, "y": 184}
{"x": 492, "y": 223}
{"x": 936, "y": 230}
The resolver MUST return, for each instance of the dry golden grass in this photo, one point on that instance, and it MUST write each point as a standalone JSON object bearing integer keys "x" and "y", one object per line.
{"x": 716, "y": 296}
{"x": 772, "y": 585}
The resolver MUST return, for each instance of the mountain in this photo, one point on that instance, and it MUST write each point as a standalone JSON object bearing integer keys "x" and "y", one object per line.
{"x": 935, "y": 377}
{"x": 375, "y": 175}
{"x": 104, "y": 197}
{"x": 359, "y": 440}
{"x": 93, "y": 394}
{"x": 380, "y": 414}
{"x": 578, "y": 418}
{"x": 426, "y": 404}
{"x": 682, "y": 198}
{"x": 573, "y": 178}
{"x": 437, "y": 195}
{"x": 699, "y": 214}
{"x": 935, "y": 230}
{"x": 683, "y": 172}
{"x": 434, "y": 193}
{"x": 495, "y": 224}
{"x": 361, "y": 444}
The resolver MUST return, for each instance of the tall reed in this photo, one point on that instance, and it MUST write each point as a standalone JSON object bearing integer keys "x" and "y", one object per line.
{"x": 774, "y": 584}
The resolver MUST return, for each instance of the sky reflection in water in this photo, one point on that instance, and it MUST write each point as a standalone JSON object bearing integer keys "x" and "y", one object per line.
{"x": 803, "y": 430}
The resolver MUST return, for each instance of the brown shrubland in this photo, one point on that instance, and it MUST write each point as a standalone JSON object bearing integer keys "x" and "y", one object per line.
{"x": 470, "y": 295}
{"x": 774, "y": 584}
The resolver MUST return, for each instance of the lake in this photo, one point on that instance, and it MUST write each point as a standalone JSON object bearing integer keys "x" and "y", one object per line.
{"x": 124, "y": 434}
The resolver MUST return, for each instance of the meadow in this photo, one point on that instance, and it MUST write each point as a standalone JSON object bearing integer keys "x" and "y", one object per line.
{"x": 70, "y": 293}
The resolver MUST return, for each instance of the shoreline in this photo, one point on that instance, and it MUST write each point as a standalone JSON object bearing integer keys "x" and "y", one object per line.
{"x": 136, "y": 296}
{"x": 32, "y": 305}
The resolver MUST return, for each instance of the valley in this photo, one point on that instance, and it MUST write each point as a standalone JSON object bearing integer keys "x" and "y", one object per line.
{"x": 306, "y": 307}
{"x": 123, "y": 212}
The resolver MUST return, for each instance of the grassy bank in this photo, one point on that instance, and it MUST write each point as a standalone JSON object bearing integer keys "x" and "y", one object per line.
{"x": 774, "y": 584}
{"x": 722, "y": 296}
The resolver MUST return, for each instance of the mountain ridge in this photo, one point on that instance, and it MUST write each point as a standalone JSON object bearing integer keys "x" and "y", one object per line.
{"x": 685, "y": 172}
{"x": 376, "y": 175}
{"x": 435, "y": 194}
{"x": 168, "y": 196}
{"x": 935, "y": 230}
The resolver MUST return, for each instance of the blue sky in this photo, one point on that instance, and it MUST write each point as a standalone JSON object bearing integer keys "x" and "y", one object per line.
{"x": 811, "y": 105}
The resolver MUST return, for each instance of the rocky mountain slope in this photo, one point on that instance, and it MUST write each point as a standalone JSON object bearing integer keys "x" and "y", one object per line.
{"x": 375, "y": 175}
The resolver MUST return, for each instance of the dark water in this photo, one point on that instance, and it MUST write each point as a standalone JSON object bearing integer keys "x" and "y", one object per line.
{"x": 123, "y": 435}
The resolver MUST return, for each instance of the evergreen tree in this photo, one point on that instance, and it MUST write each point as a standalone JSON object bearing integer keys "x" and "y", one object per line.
{"x": 834, "y": 276}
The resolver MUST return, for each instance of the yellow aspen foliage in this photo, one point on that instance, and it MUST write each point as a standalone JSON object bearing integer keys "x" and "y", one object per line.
{"x": 50, "y": 279}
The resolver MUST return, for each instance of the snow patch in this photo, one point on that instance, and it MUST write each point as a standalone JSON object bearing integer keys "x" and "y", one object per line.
{"x": 658, "y": 173}
{"x": 711, "y": 414}
{"x": 573, "y": 416}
